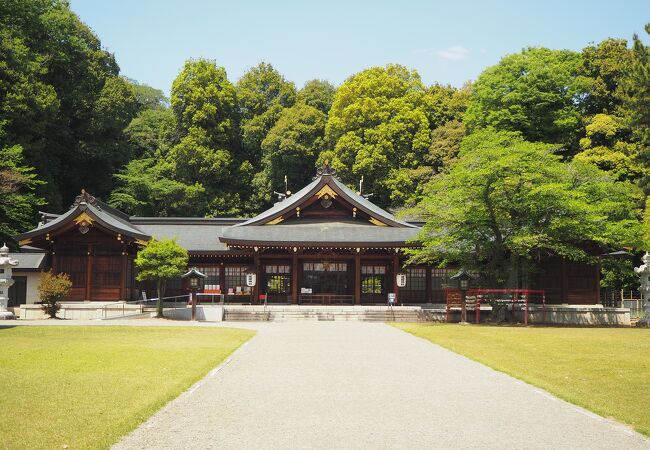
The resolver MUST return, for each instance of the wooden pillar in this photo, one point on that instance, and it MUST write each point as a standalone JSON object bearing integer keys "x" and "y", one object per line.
{"x": 123, "y": 277}
{"x": 597, "y": 268}
{"x": 357, "y": 279}
{"x": 395, "y": 272}
{"x": 294, "y": 279}
{"x": 89, "y": 272}
{"x": 565, "y": 282}
{"x": 428, "y": 284}
{"x": 258, "y": 271}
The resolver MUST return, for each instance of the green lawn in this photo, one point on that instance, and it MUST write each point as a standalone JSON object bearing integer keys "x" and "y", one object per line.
{"x": 86, "y": 386}
{"x": 604, "y": 370}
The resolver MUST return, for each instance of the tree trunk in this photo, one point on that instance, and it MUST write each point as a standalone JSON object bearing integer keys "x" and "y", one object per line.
{"x": 160, "y": 303}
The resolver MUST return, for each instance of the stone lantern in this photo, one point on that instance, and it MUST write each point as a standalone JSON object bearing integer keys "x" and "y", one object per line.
{"x": 6, "y": 263}
{"x": 643, "y": 271}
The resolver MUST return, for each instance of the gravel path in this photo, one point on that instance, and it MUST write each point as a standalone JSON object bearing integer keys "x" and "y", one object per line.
{"x": 362, "y": 385}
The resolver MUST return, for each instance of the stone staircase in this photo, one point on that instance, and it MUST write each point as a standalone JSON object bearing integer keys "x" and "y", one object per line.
{"x": 280, "y": 313}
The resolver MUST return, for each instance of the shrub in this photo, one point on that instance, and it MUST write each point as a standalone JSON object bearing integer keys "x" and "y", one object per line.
{"x": 52, "y": 289}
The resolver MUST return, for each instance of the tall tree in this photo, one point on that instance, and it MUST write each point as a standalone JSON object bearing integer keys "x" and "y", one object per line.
{"x": 262, "y": 93}
{"x": 507, "y": 200}
{"x": 54, "y": 97}
{"x": 536, "y": 92}
{"x": 18, "y": 200}
{"x": 377, "y": 126}
{"x": 317, "y": 93}
{"x": 292, "y": 146}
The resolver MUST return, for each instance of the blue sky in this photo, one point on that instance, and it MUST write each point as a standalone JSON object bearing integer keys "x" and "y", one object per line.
{"x": 447, "y": 42}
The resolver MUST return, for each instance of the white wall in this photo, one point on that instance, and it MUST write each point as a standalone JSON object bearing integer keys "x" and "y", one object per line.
{"x": 33, "y": 278}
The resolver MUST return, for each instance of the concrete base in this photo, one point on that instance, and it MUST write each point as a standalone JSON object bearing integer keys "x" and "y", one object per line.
{"x": 82, "y": 310}
{"x": 204, "y": 313}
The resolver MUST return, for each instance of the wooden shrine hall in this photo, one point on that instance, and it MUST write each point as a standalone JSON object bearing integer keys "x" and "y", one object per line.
{"x": 325, "y": 244}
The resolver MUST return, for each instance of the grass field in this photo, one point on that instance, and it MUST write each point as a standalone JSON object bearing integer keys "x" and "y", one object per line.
{"x": 603, "y": 370}
{"x": 84, "y": 387}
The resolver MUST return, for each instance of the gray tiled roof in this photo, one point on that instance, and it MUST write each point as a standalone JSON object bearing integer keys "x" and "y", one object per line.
{"x": 204, "y": 237}
{"x": 32, "y": 261}
{"x": 105, "y": 218}
{"x": 335, "y": 233}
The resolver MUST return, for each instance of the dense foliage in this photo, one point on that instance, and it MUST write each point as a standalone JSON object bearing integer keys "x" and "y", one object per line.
{"x": 68, "y": 120}
{"x": 507, "y": 200}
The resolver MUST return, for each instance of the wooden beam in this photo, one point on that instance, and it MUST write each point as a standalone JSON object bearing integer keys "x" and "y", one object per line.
{"x": 428, "y": 284}
{"x": 395, "y": 272}
{"x": 294, "y": 279}
{"x": 565, "y": 282}
{"x": 123, "y": 277}
{"x": 89, "y": 272}
{"x": 357, "y": 279}
{"x": 258, "y": 271}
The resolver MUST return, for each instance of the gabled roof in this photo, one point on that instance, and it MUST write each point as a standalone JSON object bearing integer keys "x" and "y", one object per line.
{"x": 325, "y": 179}
{"x": 87, "y": 208}
{"x": 318, "y": 233}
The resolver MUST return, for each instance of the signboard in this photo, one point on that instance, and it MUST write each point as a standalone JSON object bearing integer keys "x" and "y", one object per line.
{"x": 401, "y": 280}
{"x": 391, "y": 298}
{"x": 251, "y": 278}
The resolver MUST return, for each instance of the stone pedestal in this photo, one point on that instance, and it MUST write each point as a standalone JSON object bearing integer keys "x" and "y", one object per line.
{"x": 6, "y": 281}
{"x": 643, "y": 271}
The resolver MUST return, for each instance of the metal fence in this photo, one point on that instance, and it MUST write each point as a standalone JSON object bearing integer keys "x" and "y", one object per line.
{"x": 623, "y": 299}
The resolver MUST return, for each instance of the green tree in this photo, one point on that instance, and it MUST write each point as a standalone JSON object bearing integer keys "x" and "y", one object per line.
{"x": 536, "y": 92}
{"x": 608, "y": 145}
{"x": 151, "y": 132}
{"x": 602, "y": 70}
{"x": 292, "y": 146}
{"x": 160, "y": 261}
{"x": 635, "y": 88}
{"x": 149, "y": 97}
{"x": 55, "y": 98}
{"x": 262, "y": 93}
{"x": 18, "y": 201}
{"x": 146, "y": 187}
{"x": 317, "y": 93}
{"x": 207, "y": 153}
{"x": 378, "y": 126}
{"x": 506, "y": 201}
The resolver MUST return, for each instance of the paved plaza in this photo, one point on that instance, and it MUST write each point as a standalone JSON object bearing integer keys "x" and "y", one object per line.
{"x": 362, "y": 385}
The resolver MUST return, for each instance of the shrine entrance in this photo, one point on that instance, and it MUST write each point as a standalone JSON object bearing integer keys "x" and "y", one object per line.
{"x": 327, "y": 282}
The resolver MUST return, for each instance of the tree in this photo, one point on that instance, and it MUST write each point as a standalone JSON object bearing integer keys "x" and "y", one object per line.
{"x": 149, "y": 97}
{"x": 602, "y": 70}
{"x": 151, "y": 132}
{"x": 207, "y": 153}
{"x": 160, "y": 261}
{"x": 536, "y": 92}
{"x": 292, "y": 146}
{"x": 636, "y": 90}
{"x": 18, "y": 201}
{"x": 146, "y": 187}
{"x": 609, "y": 145}
{"x": 262, "y": 93}
{"x": 317, "y": 93}
{"x": 57, "y": 85}
{"x": 377, "y": 126}
{"x": 506, "y": 201}
{"x": 53, "y": 289}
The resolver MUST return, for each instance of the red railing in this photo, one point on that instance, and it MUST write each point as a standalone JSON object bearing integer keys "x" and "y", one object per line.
{"x": 475, "y": 297}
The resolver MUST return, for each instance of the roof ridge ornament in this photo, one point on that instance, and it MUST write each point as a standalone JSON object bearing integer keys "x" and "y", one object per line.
{"x": 85, "y": 197}
{"x": 326, "y": 169}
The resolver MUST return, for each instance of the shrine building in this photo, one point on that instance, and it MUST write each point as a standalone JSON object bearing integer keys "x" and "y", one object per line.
{"x": 325, "y": 244}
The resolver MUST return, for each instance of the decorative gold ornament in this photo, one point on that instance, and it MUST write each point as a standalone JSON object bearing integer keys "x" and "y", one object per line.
{"x": 326, "y": 190}
{"x": 374, "y": 221}
{"x": 275, "y": 221}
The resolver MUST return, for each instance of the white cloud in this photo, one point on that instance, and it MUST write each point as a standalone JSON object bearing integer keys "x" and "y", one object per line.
{"x": 453, "y": 53}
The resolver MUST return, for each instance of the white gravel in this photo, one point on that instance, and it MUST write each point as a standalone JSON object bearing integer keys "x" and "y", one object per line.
{"x": 363, "y": 385}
